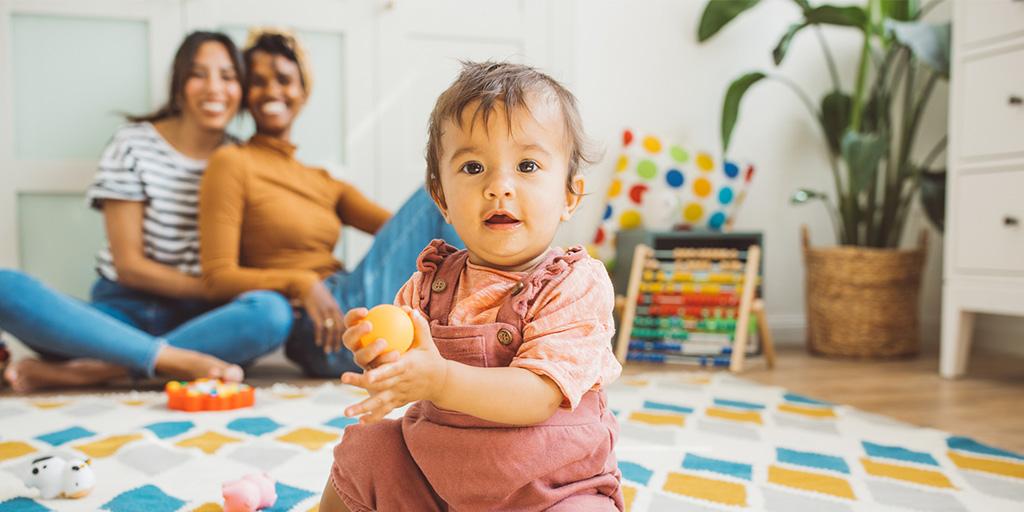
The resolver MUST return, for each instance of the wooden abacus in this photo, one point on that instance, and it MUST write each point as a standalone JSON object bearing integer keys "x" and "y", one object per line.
{"x": 682, "y": 296}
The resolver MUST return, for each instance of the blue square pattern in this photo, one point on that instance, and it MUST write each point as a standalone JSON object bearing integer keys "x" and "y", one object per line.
{"x": 635, "y": 472}
{"x": 812, "y": 460}
{"x": 22, "y": 505}
{"x": 166, "y": 429}
{"x": 256, "y": 426}
{"x": 64, "y": 436}
{"x": 148, "y": 498}
{"x": 342, "y": 422}
{"x": 287, "y": 497}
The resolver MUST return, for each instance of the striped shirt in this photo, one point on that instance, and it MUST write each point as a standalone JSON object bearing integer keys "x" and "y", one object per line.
{"x": 140, "y": 165}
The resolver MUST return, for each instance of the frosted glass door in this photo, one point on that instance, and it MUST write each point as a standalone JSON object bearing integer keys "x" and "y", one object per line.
{"x": 59, "y": 239}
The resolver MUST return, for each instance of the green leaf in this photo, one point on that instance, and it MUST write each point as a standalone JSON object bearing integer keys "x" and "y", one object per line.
{"x": 835, "y": 117}
{"x": 731, "y": 106}
{"x": 872, "y": 122}
{"x": 933, "y": 197}
{"x": 780, "y": 50}
{"x": 929, "y": 43}
{"x": 851, "y": 16}
{"x": 718, "y": 13}
{"x": 862, "y": 153}
{"x": 902, "y": 10}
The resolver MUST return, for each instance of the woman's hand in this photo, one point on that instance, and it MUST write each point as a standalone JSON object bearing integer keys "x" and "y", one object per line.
{"x": 326, "y": 317}
{"x": 419, "y": 374}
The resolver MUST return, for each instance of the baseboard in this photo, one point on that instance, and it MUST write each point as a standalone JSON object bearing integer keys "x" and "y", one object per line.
{"x": 788, "y": 328}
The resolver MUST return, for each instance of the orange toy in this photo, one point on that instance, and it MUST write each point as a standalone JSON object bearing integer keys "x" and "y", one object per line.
{"x": 208, "y": 395}
{"x": 390, "y": 323}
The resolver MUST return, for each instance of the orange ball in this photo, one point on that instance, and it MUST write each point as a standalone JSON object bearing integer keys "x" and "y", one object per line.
{"x": 391, "y": 324}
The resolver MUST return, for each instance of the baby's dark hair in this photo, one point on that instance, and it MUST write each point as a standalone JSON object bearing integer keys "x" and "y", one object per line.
{"x": 492, "y": 83}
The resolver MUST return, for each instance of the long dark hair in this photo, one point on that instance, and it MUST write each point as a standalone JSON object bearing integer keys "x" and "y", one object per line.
{"x": 181, "y": 69}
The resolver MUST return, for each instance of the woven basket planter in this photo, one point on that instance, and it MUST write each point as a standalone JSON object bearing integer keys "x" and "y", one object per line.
{"x": 863, "y": 302}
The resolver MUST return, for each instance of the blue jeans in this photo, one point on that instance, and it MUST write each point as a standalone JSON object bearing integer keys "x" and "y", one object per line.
{"x": 128, "y": 327}
{"x": 388, "y": 264}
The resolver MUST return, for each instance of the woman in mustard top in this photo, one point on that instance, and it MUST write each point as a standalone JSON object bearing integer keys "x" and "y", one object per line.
{"x": 269, "y": 222}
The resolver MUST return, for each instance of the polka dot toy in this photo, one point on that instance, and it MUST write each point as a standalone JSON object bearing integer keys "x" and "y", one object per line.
{"x": 660, "y": 185}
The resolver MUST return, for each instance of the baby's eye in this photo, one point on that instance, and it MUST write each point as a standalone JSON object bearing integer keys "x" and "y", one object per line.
{"x": 472, "y": 168}
{"x": 528, "y": 166}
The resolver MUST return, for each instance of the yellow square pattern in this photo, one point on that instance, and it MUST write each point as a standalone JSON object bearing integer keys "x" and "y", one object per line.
{"x": 209, "y": 442}
{"x": 309, "y": 438}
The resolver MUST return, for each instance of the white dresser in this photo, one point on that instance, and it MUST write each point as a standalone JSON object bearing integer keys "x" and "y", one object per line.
{"x": 984, "y": 242}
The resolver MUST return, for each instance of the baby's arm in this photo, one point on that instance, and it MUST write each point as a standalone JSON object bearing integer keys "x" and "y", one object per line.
{"x": 514, "y": 396}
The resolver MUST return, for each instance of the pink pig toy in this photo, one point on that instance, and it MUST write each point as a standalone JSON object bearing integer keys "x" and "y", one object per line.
{"x": 249, "y": 494}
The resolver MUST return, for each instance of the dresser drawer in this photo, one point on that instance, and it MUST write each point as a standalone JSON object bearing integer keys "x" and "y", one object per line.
{"x": 989, "y": 221}
{"x": 992, "y": 106}
{"x": 990, "y": 20}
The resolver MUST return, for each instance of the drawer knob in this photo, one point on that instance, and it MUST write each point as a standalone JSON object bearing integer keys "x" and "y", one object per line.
{"x": 1016, "y": 100}
{"x": 1010, "y": 221}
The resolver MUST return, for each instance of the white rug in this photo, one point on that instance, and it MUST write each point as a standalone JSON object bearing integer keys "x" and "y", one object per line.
{"x": 690, "y": 442}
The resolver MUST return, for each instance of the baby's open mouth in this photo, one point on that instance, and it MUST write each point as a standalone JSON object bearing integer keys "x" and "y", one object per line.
{"x": 500, "y": 219}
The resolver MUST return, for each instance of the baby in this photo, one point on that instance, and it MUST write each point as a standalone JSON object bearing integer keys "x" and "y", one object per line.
{"x": 511, "y": 348}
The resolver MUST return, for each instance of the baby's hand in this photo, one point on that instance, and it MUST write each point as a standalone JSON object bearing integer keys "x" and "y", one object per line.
{"x": 417, "y": 375}
{"x": 372, "y": 355}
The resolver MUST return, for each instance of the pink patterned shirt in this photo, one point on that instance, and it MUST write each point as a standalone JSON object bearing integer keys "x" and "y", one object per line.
{"x": 567, "y": 331}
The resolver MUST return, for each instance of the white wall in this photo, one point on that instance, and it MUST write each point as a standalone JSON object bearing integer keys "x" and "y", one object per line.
{"x": 637, "y": 63}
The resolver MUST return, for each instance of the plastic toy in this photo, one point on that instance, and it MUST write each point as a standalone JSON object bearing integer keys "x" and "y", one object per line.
{"x": 208, "y": 395}
{"x": 250, "y": 493}
{"x": 694, "y": 305}
{"x": 390, "y": 323}
{"x": 56, "y": 477}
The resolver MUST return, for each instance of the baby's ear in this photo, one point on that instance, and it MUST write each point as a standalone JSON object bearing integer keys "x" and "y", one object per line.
{"x": 573, "y": 196}
{"x": 437, "y": 196}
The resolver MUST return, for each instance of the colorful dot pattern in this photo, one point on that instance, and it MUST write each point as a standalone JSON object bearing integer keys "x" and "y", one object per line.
{"x": 658, "y": 184}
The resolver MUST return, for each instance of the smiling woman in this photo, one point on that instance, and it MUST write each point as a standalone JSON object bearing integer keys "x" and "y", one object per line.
{"x": 147, "y": 314}
{"x": 268, "y": 221}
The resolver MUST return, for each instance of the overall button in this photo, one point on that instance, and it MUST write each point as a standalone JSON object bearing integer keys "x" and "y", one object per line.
{"x": 517, "y": 288}
{"x": 504, "y": 336}
{"x": 439, "y": 285}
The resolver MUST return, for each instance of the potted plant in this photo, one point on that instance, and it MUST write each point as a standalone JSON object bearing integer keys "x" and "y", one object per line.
{"x": 862, "y": 296}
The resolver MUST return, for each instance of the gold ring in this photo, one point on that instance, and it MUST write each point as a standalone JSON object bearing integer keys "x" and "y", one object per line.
{"x": 329, "y": 323}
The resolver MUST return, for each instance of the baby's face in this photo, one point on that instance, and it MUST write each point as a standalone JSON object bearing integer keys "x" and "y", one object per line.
{"x": 506, "y": 189}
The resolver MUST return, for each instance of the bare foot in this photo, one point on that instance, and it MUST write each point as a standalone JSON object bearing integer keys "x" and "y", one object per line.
{"x": 186, "y": 364}
{"x": 32, "y": 374}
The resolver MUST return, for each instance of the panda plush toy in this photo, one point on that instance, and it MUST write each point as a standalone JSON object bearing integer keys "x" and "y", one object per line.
{"x": 56, "y": 477}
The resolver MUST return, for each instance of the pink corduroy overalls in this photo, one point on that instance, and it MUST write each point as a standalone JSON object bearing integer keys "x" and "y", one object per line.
{"x": 436, "y": 459}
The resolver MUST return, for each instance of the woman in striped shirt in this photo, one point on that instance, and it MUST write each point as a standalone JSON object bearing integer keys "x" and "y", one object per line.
{"x": 147, "y": 313}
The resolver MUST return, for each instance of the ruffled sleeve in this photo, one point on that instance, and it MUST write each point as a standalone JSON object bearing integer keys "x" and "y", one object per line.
{"x": 409, "y": 293}
{"x": 568, "y": 330}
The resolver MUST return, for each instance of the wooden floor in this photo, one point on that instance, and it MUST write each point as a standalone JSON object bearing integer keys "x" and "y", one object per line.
{"x": 987, "y": 404}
